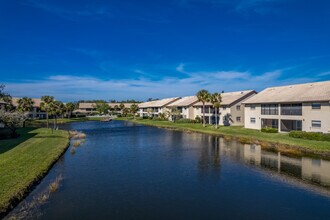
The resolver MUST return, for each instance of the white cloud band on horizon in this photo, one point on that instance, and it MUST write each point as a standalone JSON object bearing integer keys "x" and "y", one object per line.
{"x": 72, "y": 88}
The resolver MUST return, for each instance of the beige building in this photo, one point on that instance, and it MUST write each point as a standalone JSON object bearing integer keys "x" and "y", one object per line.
{"x": 231, "y": 111}
{"x": 36, "y": 112}
{"x": 153, "y": 108}
{"x": 89, "y": 108}
{"x": 185, "y": 106}
{"x": 302, "y": 107}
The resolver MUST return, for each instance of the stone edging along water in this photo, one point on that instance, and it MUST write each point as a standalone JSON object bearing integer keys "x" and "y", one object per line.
{"x": 285, "y": 149}
{"x": 27, "y": 190}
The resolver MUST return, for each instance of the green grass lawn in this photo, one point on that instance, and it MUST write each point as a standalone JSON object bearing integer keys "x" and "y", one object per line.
{"x": 61, "y": 121}
{"x": 25, "y": 160}
{"x": 249, "y": 135}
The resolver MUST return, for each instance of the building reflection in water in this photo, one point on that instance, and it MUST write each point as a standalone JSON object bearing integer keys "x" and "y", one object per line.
{"x": 311, "y": 170}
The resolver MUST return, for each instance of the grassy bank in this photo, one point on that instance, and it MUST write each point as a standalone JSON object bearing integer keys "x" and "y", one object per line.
{"x": 276, "y": 141}
{"x": 25, "y": 160}
{"x": 42, "y": 122}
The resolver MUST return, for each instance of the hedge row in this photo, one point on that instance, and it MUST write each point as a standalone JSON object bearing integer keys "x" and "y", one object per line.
{"x": 269, "y": 130}
{"x": 310, "y": 135}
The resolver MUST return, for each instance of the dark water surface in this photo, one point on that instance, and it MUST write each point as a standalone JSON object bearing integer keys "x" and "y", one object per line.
{"x": 128, "y": 171}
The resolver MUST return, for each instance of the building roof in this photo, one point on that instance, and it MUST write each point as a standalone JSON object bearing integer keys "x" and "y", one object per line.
{"x": 228, "y": 98}
{"x": 36, "y": 102}
{"x": 158, "y": 103}
{"x": 83, "y": 105}
{"x": 184, "y": 101}
{"x": 127, "y": 105}
{"x": 308, "y": 92}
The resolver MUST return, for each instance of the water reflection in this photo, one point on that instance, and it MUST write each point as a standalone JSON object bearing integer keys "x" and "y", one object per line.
{"x": 311, "y": 170}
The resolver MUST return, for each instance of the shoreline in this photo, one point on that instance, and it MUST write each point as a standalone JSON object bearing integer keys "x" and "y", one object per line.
{"x": 22, "y": 193}
{"x": 269, "y": 145}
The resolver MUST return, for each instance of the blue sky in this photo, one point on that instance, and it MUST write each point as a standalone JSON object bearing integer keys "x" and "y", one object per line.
{"x": 139, "y": 49}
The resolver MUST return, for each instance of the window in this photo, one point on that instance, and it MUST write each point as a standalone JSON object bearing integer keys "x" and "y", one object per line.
{"x": 224, "y": 108}
{"x": 238, "y": 119}
{"x": 291, "y": 109}
{"x": 269, "y": 109}
{"x": 316, "y": 124}
{"x": 253, "y": 107}
{"x": 252, "y": 120}
{"x": 238, "y": 107}
{"x": 316, "y": 105}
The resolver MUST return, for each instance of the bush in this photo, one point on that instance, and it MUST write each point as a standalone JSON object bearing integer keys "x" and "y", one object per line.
{"x": 269, "y": 130}
{"x": 310, "y": 135}
{"x": 198, "y": 119}
{"x": 185, "y": 120}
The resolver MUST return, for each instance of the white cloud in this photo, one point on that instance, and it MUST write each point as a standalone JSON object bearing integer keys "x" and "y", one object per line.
{"x": 324, "y": 74}
{"x": 180, "y": 68}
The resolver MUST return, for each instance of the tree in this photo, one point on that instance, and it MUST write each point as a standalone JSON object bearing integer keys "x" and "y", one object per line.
{"x": 102, "y": 108}
{"x": 215, "y": 99}
{"x": 57, "y": 108}
{"x": 12, "y": 120}
{"x": 25, "y": 105}
{"x": 174, "y": 113}
{"x": 125, "y": 112}
{"x": 150, "y": 111}
{"x": 69, "y": 107}
{"x": 203, "y": 96}
{"x": 122, "y": 107}
{"x": 134, "y": 109}
{"x": 6, "y": 98}
{"x": 46, "y": 102}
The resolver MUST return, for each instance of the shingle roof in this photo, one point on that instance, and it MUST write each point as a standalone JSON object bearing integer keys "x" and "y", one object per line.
{"x": 127, "y": 105}
{"x": 36, "y": 102}
{"x": 184, "y": 101}
{"x": 158, "y": 103}
{"x": 308, "y": 92}
{"x": 229, "y": 98}
{"x": 86, "y": 105}
{"x": 83, "y": 105}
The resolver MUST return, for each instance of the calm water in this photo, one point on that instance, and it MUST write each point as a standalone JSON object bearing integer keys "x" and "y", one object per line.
{"x": 127, "y": 171}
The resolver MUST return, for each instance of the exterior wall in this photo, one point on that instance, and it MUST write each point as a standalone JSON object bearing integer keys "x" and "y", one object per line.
{"x": 223, "y": 111}
{"x": 143, "y": 112}
{"x": 308, "y": 114}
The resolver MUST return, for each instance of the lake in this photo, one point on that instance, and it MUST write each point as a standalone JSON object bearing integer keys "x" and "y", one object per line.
{"x": 131, "y": 171}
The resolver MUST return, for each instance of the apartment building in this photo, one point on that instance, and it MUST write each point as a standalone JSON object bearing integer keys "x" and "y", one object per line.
{"x": 231, "y": 111}
{"x": 153, "y": 108}
{"x": 301, "y": 107}
{"x": 36, "y": 112}
{"x": 185, "y": 106}
{"x": 89, "y": 108}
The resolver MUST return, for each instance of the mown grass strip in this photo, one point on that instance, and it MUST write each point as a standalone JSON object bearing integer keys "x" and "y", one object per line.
{"x": 26, "y": 160}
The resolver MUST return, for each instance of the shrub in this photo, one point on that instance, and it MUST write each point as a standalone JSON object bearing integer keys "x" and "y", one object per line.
{"x": 310, "y": 135}
{"x": 198, "y": 119}
{"x": 269, "y": 130}
{"x": 185, "y": 120}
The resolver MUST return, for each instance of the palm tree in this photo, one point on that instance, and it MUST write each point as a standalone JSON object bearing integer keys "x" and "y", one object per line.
{"x": 122, "y": 107}
{"x": 46, "y": 106}
{"x": 70, "y": 107}
{"x": 57, "y": 108}
{"x": 203, "y": 96}
{"x": 215, "y": 99}
{"x": 150, "y": 111}
{"x": 134, "y": 109}
{"x": 174, "y": 113}
{"x": 25, "y": 105}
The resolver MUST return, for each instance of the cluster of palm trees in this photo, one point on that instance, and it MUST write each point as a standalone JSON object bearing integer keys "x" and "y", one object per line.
{"x": 56, "y": 108}
{"x": 204, "y": 96}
